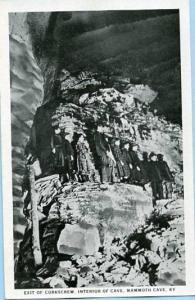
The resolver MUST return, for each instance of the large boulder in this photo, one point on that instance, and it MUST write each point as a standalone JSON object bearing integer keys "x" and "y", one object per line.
{"x": 80, "y": 239}
{"x": 100, "y": 214}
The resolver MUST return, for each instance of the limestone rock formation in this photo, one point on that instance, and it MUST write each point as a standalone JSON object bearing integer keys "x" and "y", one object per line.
{"x": 26, "y": 96}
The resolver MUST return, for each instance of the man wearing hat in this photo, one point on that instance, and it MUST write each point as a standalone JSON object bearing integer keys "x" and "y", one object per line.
{"x": 105, "y": 157}
{"x": 127, "y": 161}
{"x": 115, "y": 147}
{"x": 68, "y": 155}
{"x": 84, "y": 162}
{"x": 137, "y": 176}
{"x": 166, "y": 175}
{"x": 57, "y": 141}
{"x": 145, "y": 167}
{"x": 155, "y": 178}
{"x": 62, "y": 154}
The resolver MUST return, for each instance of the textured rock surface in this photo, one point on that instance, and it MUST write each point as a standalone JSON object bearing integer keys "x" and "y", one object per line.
{"x": 26, "y": 96}
{"x": 142, "y": 45}
{"x": 153, "y": 254}
{"x": 115, "y": 212}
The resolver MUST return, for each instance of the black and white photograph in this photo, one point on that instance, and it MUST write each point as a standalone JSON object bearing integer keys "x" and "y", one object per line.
{"x": 97, "y": 164}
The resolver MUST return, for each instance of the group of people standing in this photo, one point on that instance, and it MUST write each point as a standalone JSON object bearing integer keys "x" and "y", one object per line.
{"x": 72, "y": 158}
{"x": 159, "y": 175}
{"x": 77, "y": 156}
{"x": 118, "y": 161}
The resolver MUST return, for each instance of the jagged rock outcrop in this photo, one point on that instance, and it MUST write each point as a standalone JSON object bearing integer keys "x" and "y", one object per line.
{"x": 105, "y": 222}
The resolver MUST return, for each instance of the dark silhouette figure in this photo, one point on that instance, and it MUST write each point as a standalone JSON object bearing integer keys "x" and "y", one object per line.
{"x": 145, "y": 167}
{"x": 155, "y": 179}
{"x": 68, "y": 159}
{"x": 166, "y": 176}
{"x": 137, "y": 175}
{"x": 57, "y": 141}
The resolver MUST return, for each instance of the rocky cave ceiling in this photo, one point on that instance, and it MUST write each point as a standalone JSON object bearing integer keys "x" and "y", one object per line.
{"x": 142, "y": 45}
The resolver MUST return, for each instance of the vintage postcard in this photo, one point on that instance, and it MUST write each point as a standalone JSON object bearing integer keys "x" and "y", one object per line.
{"x": 96, "y": 131}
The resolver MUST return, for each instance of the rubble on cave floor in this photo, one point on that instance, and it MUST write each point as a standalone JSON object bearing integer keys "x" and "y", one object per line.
{"x": 152, "y": 254}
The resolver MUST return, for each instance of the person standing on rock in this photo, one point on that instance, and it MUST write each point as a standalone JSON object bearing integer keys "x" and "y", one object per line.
{"x": 85, "y": 166}
{"x": 127, "y": 161}
{"x": 115, "y": 147}
{"x": 57, "y": 141}
{"x": 155, "y": 178}
{"x": 166, "y": 175}
{"x": 68, "y": 156}
{"x": 105, "y": 157}
{"x": 137, "y": 176}
{"x": 145, "y": 167}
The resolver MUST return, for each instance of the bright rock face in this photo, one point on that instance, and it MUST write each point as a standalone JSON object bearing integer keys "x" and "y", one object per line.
{"x": 153, "y": 254}
{"x": 142, "y": 92}
{"x": 79, "y": 239}
{"x": 101, "y": 216}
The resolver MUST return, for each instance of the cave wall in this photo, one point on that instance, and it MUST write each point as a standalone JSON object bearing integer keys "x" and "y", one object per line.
{"x": 26, "y": 95}
{"x": 144, "y": 46}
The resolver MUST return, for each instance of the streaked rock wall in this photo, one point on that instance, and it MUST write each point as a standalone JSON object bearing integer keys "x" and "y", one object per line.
{"x": 26, "y": 96}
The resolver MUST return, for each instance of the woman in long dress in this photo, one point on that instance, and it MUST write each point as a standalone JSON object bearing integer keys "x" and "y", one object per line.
{"x": 85, "y": 165}
{"x": 127, "y": 161}
{"x": 115, "y": 146}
